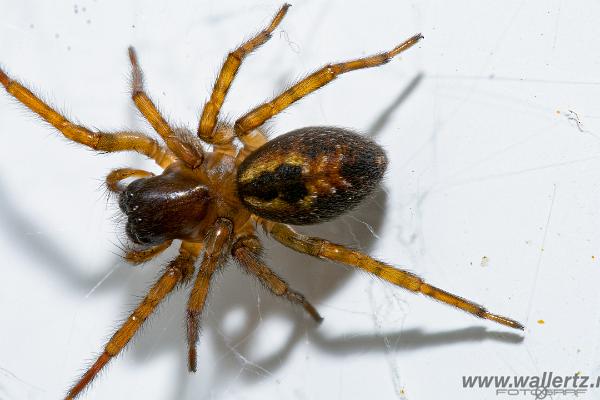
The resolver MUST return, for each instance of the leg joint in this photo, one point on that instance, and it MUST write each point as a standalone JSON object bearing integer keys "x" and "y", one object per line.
{"x": 248, "y": 242}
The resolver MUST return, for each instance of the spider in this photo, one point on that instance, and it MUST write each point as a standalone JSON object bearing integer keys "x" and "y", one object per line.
{"x": 212, "y": 202}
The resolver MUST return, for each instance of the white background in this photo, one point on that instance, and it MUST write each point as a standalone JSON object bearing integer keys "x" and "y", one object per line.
{"x": 493, "y": 192}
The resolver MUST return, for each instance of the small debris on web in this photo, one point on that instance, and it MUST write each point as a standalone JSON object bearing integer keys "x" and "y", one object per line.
{"x": 485, "y": 261}
{"x": 574, "y": 118}
{"x": 293, "y": 45}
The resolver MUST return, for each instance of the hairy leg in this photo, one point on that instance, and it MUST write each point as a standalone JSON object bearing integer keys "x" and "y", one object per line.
{"x": 246, "y": 251}
{"x": 208, "y": 129}
{"x": 245, "y": 125}
{"x": 99, "y": 141}
{"x": 178, "y": 270}
{"x": 114, "y": 178}
{"x": 253, "y": 141}
{"x": 191, "y": 155}
{"x": 136, "y": 257}
{"x": 324, "y": 249}
{"x": 216, "y": 241}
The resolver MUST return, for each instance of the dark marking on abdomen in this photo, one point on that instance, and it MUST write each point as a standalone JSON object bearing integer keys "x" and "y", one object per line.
{"x": 285, "y": 182}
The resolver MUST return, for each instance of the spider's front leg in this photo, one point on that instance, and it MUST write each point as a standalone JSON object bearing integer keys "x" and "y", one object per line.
{"x": 324, "y": 249}
{"x": 178, "y": 270}
{"x": 246, "y": 251}
{"x": 99, "y": 141}
{"x": 191, "y": 155}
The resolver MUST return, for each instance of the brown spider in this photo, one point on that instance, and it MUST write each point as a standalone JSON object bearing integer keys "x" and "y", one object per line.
{"x": 213, "y": 201}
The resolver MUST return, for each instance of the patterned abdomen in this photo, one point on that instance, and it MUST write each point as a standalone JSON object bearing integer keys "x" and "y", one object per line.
{"x": 310, "y": 175}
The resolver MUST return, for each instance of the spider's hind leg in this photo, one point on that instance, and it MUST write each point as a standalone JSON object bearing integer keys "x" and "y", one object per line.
{"x": 324, "y": 249}
{"x": 246, "y": 251}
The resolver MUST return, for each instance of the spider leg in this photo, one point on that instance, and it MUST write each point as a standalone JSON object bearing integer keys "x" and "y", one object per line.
{"x": 178, "y": 270}
{"x": 117, "y": 175}
{"x": 191, "y": 155}
{"x": 210, "y": 112}
{"x": 254, "y": 140}
{"x": 247, "y": 252}
{"x": 99, "y": 141}
{"x": 136, "y": 257}
{"x": 244, "y": 126}
{"x": 229, "y": 149}
{"x": 324, "y": 249}
{"x": 217, "y": 239}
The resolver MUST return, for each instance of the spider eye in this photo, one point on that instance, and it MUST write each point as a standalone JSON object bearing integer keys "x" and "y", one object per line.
{"x": 127, "y": 198}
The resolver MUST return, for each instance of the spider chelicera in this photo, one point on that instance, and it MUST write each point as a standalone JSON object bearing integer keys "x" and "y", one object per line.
{"x": 213, "y": 201}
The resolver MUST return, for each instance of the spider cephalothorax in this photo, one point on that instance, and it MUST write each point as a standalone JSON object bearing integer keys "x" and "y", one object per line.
{"x": 165, "y": 207}
{"x": 213, "y": 201}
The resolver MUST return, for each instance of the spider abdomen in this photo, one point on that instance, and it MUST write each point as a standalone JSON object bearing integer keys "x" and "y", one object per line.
{"x": 310, "y": 175}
